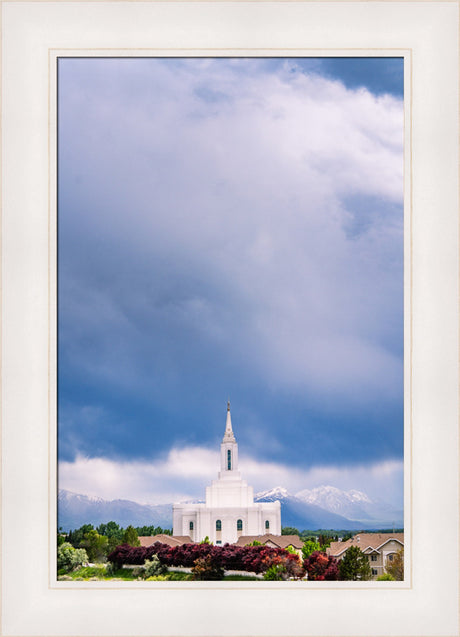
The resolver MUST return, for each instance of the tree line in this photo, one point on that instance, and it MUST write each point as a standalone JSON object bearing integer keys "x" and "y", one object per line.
{"x": 100, "y": 541}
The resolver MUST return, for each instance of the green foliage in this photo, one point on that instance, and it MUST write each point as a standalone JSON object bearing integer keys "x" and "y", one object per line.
{"x": 61, "y": 538}
{"x": 207, "y": 568}
{"x": 396, "y": 567}
{"x": 309, "y": 547}
{"x": 90, "y": 572}
{"x": 76, "y": 537}
{"x": 289, "y": 530}
{"x": 290, "y": 549}
{"x": 154, "y": 567}
{"x": 112, "y": 531}
{"x": 324, "y": 541}
{"x": 157, "y": 578}
{"x": 206, "y": 540}
{"x": 385, "y": 577}
{"x": 354, "y": 565}
{"x": 130, "y": 537}
{"x": 68, "y": 557}
{"x": 255, "y": 543}
{"x": 113, "y": 542}
{"x": 95, "y": 545}
{"x": 276, "y": 572}
{"x": 152, "y": 530}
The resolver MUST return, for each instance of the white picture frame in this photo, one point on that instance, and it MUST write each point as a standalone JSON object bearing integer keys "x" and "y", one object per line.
{"x": 33, "y": 35}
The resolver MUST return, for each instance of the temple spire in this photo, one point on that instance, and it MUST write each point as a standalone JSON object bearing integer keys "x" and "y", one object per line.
{"x": 228, "y": 435}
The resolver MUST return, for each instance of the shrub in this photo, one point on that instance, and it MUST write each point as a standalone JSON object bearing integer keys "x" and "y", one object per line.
{"x": 275, "y": 572}
{"x": 283, "y": 567}
{"x": 385, "y": 577}
{"x": 320, "y": 566}
{"x": 396, "y": 567}
{"x": 110, "y": 569}
{"x": 157, "y": 578}
{"x": 207, "y": 568}
{"x": 309, "y": 547}
{"x": 69, "y": 558}
{"x": 256, "y": 559}
{"x": 154, "y": 567}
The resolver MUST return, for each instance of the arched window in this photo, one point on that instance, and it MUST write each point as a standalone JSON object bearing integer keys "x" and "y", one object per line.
{"x": 267, "y": 525}
{"x": 239, "y": 525}
{"x": 190, "y": 526}
{"x": 229, "y": 459}
{"x": 218, "y": 525}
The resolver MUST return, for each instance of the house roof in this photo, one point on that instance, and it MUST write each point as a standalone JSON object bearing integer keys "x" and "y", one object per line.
{"x": 367, "y": 542}
{"x": 170, "y": 540}
{"x": 282, "y": 541}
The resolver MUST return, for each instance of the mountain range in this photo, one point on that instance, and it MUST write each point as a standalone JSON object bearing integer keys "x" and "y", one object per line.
{"x": 324, "y": 507}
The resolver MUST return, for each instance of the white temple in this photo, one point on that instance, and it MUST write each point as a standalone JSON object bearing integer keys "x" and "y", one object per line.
{"x": 229, "y": 510}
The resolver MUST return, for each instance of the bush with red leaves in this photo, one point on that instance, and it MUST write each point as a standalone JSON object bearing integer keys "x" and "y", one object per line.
{"x": 320, "y": 566}
{"x": 256, "y": 559}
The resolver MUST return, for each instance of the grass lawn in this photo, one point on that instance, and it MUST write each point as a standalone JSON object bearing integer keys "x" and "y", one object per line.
{"x": 93, "y": 573}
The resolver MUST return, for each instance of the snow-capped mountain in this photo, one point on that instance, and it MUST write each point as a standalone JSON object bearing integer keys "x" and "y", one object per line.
{"x": 331, "y": 508}
{"x": 320, "y": 508}
{"x": 353, "y": 504}
{"x": 75, "y": 509}
{"x": 302, "y": 515}
{"x": 278, "y": 493}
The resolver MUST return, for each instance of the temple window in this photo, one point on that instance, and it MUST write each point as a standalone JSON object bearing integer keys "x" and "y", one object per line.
{"x": 218, "y": 525}
{"x": 239, "y": 525}
{"x": 267, "y": 525}
{"x": 229, "y": 459}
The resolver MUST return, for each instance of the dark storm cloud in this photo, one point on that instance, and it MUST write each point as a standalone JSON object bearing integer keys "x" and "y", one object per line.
{"x": 228, "y": 228}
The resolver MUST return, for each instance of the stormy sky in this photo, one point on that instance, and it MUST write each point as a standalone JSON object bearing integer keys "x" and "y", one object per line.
{"x": 230, "y": 229}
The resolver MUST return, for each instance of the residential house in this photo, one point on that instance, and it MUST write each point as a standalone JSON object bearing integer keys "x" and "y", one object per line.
{"x": 170, "y": 540}
{"x": 276, "y": 541}
{"x": 380, "y": 549}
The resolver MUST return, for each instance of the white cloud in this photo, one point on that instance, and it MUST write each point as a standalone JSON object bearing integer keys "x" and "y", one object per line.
{"x": 185, "y": 473}
{"x": 249, "y": 182}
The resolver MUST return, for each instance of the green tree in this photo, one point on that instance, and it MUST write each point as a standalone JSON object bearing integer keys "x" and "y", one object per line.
{"x": 111, "y": 529}
{"x": 354, "y": 565}
{"x": 76, "y": 537}
{"x": 95, "y": 545}
{"x": 69, "y": 557}
{"x": 395, "y": 567}
{"x": 130, "y": 536}
{"x": 309, "y": 547}
{"x": 289, "y": 530}
{"x": 152, "y": 530}
{"x": 61, "y": 536}
{"x": 385, "y": 577}
{"x": 113, "y": 532}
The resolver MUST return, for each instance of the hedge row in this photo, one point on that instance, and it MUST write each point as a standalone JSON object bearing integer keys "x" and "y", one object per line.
{"x": 254, "y": 559}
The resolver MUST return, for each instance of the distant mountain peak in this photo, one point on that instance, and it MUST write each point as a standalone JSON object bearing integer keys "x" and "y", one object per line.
{"x": 277, "y": 493}
{"x": 330, "y": 493}
{"x": 321, "y": 507}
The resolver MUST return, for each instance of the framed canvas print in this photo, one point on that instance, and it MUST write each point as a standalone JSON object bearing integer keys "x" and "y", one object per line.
{"x": 229, "y": 368}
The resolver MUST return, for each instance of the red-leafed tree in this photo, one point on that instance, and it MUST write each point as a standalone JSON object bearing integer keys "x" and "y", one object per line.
{"x": 320, "y": 566}
{"x": 256, "y": 559}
